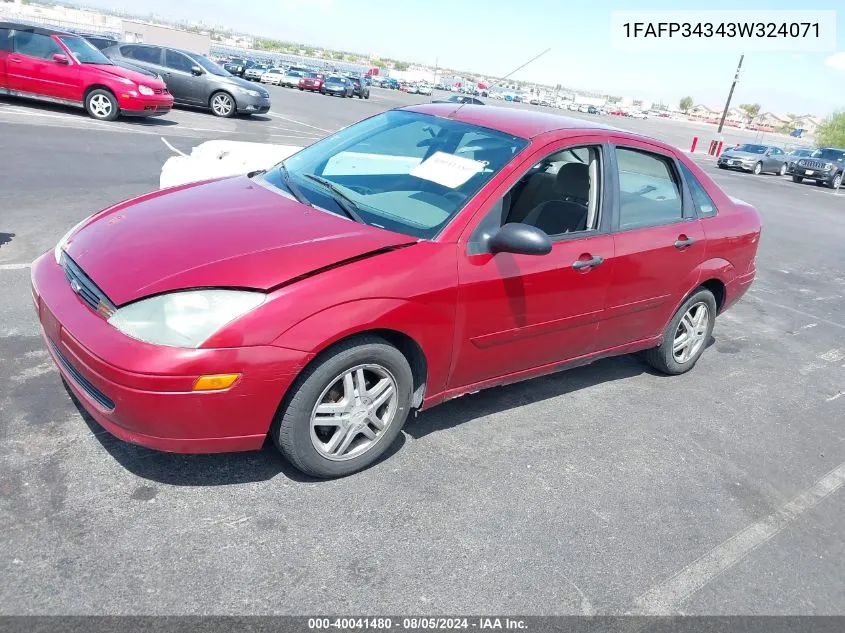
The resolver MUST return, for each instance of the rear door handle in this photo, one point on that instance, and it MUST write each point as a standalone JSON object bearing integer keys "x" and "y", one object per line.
{"x": 581, "y": 264}
{"x": 682, "y": 244}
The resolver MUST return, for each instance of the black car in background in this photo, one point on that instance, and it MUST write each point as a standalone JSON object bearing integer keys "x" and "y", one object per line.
{"x": 794, "y": 156}
{"x": 360, "y": 88}
{"x": 824, "y": 166}
{"x": 195, "y": 80}
{"x": 238, "y": 66}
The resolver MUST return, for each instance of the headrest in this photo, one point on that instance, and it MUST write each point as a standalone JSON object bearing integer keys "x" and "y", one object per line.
{"x": 573, "y": 179}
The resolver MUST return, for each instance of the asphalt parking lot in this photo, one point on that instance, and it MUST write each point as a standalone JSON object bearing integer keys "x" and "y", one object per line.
{"x": 608, "y": 489}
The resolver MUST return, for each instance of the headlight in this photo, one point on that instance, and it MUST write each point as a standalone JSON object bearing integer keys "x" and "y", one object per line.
{"x": 244, "y": 91}
{"x": 828, "y": 166}
{"x": 146, "y": 90}
{"x": 183, "y": 319}
{"x": 60, "y": 246}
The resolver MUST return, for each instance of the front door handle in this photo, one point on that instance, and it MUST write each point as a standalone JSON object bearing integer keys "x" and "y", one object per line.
{"x": 684, "y": 242}
{"x": 581, "y": 264}
{"x": 14, "y": 60}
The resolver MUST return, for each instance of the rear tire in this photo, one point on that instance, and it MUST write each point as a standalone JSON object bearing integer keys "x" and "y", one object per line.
{"x": 101, "y": 104}
{"x": 676, "y": 354}
{"x": 797, "y": 179}
{"x": 758, "y": 169}
{"x": 308, "y": 445}
{"x": 782, "y": 171}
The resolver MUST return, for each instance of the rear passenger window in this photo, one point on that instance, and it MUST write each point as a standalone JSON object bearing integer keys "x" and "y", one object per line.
{"x": 703, "y": 202}
{"x": 650, "y": 193}
{"x": 148, "y": 54}
{"x": 36, "y": 45}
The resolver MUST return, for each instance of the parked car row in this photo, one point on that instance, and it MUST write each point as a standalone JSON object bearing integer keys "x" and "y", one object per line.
{"x": 109, "y": 78}
{"x": 824, "y": 166}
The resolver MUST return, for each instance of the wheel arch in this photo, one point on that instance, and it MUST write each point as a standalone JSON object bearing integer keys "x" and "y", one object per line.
{"x": 93, "y": 87}
{"x": 217, "y": 91}
{"x": 416, "y": 330}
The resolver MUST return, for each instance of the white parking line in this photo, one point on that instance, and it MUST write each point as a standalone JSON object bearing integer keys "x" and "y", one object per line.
{"x": 14, "y": 266}
{"x": 289, "y": 120}
{"x": 666, "y": 597}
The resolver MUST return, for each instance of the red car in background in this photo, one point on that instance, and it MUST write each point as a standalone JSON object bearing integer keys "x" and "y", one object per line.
{"x": 50, "y": 65}
{"x": 321, "y": 301}
{"x": 313, "y": 82}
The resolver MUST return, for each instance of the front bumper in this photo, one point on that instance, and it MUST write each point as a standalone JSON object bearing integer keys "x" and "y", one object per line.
{"x": 311, "y": 87}
{"x": 334, "y": 91}
{"x": 813, "y": 174}
{"x": 252, "y": 105}
{"x": 142, "y": 393}
{"x": 154, "y": 105}
{"x": 735, "y": 163}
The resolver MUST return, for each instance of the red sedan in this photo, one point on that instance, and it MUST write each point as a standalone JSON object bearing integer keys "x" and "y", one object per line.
{"x": 313, "y": 82}
{"x": 50, "y": 65}
{"x": 417, "y": 256}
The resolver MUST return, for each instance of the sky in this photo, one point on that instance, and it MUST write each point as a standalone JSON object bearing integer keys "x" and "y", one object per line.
{"x": 496, "y": 36}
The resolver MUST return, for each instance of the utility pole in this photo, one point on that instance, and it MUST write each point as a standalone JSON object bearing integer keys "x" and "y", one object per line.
{"x": 436, "y": 67}
{"x": 730, "y": 95}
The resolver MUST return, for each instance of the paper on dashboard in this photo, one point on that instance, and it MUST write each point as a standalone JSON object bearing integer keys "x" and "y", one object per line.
{"x": 447, "y": 169}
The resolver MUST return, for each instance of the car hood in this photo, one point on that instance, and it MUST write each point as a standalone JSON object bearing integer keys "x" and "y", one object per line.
{"x": 116, "y": 70}
{"x": 243, "y": 83}
{"x": 228, "y": 233}
{"x": 735, "y": 154}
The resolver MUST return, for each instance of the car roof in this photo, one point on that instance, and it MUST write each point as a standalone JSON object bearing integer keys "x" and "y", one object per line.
{"x": 39, "y": 29}
{"x": 524, "y": 123}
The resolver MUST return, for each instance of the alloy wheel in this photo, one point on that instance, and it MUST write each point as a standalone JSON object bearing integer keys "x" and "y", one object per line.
{"x": 691, "y": 333}
{"x": 782, "y": 171}
{"x": 222, "y": 105}
{"x": 101, "y": 106}
{"x": 353, "y": 412}
{"x": 758, "y": 169}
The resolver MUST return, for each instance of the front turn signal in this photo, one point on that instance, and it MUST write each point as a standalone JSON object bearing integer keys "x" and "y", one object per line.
{"x": 215, "y": 382}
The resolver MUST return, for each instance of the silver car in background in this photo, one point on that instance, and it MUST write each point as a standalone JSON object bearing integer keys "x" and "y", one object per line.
{"x": 273, "y": 76}
{"x": 256, "y": 72}
{"x": 754, "y": 158}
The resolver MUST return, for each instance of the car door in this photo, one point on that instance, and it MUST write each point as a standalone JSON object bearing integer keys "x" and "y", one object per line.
{"x": 180, "y": 79}
{"x": 776, "y": 159}
{"x": 517, "y": 313}
{"x": 658, "y": 241}
{"x": 31, "y": 70}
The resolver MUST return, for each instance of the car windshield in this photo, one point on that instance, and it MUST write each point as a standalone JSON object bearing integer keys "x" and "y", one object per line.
{"x": 828, "y": 154}
{"x": 404, "y": 171}
{"x": 84, "y": 51}
{"x": 335, "y": 79}
{"x": 209, "y": 65}
{"x": 802, "y": 152}
{"x": 752, "y": 149}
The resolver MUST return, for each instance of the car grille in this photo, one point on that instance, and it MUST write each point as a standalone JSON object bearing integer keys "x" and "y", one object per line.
{"x": 811, "y": 164}
{"x": 98, "y": 396}
{"x": 160, "y": 91}
{"x": 87, "y": 290}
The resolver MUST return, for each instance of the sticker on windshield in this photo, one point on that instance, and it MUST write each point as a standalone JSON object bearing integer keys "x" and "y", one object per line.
{"x": 447, "y": 169}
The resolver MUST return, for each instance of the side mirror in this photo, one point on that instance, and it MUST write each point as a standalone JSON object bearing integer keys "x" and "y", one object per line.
{"x": 61, "y": 59}
{"x": 196, "y": 70}
{"x": 521, "y": 239}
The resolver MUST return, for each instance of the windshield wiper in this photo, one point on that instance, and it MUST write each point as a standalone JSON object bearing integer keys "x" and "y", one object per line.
{"x": 292, "y": 186}
{"x": 343, "y": 201}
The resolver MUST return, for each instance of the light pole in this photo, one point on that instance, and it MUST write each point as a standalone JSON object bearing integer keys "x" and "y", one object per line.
{"x": 730, "y": 95}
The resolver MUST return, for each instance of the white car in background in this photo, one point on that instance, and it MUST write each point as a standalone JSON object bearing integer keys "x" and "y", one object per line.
{"x": 273, "y": 76}
{"x": 424, "y": 90}
{"x": 291, "y": 79}
{"x": 637, "y": 114}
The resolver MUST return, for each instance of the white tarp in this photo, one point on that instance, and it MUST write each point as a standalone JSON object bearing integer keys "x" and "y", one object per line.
{"x": 216, "y": 159}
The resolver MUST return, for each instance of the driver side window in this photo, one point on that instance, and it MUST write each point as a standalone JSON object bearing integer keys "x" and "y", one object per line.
{"x": 560, "y": 195}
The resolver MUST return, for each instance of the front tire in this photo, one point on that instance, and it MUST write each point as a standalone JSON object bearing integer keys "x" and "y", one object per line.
{"x": 782, "y": 171}
{"x": 758, "y": 169}
{"x": 101, "y": 105}
{"x": 346, "y": 409}
{"x": 686, "y": 336}
{"x": 836, "y": 182}
{"x": 797, "y": 179}
{"x": 223, "y": 105}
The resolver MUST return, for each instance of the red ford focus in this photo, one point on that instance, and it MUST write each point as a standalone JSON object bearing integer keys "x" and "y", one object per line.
{"x": 414, "y": 257}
